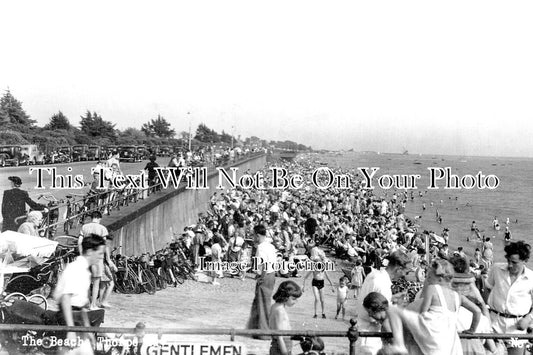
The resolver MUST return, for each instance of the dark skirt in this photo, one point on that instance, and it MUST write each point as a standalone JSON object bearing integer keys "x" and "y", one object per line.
{"x": 275, "y": 348}
{"x": 262, "y": 303}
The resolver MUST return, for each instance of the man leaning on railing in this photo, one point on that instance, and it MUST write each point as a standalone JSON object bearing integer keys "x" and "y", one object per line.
{"x": 510, "y": 299}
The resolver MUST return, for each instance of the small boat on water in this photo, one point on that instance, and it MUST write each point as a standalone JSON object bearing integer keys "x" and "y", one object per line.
{"x": 417, "y": 163}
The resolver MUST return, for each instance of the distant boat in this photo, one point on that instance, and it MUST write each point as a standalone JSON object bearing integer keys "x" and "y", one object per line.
{"x": 417, "y": 163}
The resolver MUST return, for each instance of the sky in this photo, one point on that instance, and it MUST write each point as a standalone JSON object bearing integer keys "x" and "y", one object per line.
{"x": 451, "y": 77}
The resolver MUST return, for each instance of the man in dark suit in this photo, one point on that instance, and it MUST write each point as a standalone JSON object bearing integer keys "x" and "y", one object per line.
{"x": 14, "y": 205}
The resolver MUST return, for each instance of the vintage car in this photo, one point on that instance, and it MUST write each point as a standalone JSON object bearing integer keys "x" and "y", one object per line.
{"x": 13, "y": 155}
{"x": 164, "y": 151}
{"x": 36, "y": 156}
{"x": 129, "y": 153}
{"x": 143, "y": 152}
{"x": 64, "y": 154}
{"x": 80, "y": 152}
{"x": 108, "y": 151}
{"x": 93, "y": 152}
{"x": 153, "y": 150}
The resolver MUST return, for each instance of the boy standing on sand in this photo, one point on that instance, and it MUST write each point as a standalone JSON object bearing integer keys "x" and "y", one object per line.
{"x": 342, "y": 296}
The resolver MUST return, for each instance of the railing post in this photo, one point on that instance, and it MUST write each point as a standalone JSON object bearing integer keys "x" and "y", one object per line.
{"x": 353, "y": 335}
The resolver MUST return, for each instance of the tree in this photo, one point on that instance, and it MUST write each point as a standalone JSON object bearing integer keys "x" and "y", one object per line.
{"x": 93, "y": 125}
{"x": 4, "y": 119}
{"x": 146, "y": 128}
{"x": 83, "y": 138}
{"x": 158, "y": 128}
{"x": 131, "y": 136}
{"x": 206, "y": 134}
{"x": 225, "y": 137}
{"x": 58, "y": 121}
{"x": 11, "y": 111}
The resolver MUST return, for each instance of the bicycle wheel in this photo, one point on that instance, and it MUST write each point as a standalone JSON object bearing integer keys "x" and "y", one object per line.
{"x": 154, "y": 279}
{"x": 120, "y": 282}
{"x": 188, "y": 271}
{"x": 15, "y": 296}
{"x": 39, "y": 300}
{"x": 148, "y": 281}
{"x": 169, "y": 277}
{"x": 117, "y": 280}
{"x": 161, "y": 279}
{"x": 178, "y": 274}
{"x": 126, "y": 282}
{"x": 132, "y": 283}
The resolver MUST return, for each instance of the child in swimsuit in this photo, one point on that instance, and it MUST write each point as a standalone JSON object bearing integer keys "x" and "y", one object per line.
{"x": 342, "y": 295}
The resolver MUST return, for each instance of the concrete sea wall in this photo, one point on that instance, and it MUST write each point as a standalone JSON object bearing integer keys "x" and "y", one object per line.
{"x": 149, "y": 226}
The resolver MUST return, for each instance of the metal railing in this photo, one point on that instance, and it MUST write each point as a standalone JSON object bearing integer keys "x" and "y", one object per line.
{"x": 351, "y": 333}
{"x": 120, "y": 199}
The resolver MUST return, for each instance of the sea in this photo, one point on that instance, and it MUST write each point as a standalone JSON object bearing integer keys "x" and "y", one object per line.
{"x": 512, "y": 198}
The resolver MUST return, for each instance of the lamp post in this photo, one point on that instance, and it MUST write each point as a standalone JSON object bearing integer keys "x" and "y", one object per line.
{"x": 189, "y": 115}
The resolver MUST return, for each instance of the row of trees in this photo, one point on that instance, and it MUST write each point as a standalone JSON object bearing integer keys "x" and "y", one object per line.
{"x": 18, "y": 128}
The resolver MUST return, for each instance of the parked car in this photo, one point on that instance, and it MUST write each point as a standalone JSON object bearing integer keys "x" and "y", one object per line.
{"x": 143, "y": 152}
{"x": 13, "y": 155}
{"x": 79, "y": 152}
{"x": 35, "y": 155}
{"x": 129, "y": 153}
{"x": 65, "y": 154}
{"x": 153, "y": 150}
{"x": 111, "y": 150}
{"x": 93, "y": 152}
{"x": 164, "y": 151}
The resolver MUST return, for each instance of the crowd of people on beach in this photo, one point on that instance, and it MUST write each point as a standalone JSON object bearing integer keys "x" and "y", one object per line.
{"x": 401, "y": 278}
{"x": 404, "y": 279}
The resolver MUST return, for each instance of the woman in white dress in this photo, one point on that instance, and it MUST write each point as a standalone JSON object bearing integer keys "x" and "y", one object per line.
{"x": 434, "y": 328}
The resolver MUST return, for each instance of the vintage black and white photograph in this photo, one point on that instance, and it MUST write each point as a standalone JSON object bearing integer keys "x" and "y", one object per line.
{"x": 251, "y": 177}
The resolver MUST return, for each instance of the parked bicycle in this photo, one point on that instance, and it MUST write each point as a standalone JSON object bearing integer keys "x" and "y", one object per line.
{"x": 48, "y": 226}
